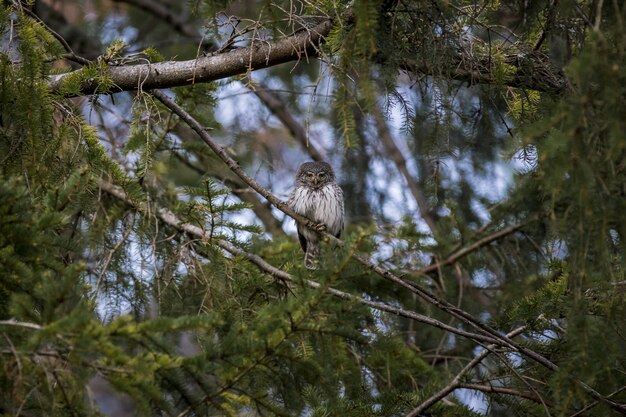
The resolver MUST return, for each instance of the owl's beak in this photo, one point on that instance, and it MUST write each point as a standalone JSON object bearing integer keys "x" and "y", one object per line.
{"x": 315, "y": 181}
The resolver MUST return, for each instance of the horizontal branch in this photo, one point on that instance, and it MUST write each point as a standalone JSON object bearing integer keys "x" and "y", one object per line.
{"x": 492, "y": 389}
{"x": 260, "y": 54}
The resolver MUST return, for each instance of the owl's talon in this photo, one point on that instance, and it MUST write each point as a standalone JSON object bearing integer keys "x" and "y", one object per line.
{"x": 320, "y": 227}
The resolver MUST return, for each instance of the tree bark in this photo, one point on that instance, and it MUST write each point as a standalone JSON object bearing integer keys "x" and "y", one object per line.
{"x": 260, "y": 54}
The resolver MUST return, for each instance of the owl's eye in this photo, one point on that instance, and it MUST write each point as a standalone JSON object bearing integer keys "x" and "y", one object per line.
{"x": 309, "y": 176}
{"x": 321, "y": 175}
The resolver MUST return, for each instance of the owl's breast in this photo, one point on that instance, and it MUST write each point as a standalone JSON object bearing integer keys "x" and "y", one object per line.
{"x": 323, "y": 205}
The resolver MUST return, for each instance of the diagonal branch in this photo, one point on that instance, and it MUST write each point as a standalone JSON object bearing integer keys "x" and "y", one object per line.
{"x": 169, "y": 218}
{"x": 12, "y": 322}
{"x": 263, "y": 210}
{"x": 71, "y": 55}
{"x": 456, "y": 381}
{"x": 452, "y": 258}
{"x": 261, "y": 54}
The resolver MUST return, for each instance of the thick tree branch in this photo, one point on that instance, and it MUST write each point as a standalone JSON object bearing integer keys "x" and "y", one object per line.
{"x": 261, "y": 54}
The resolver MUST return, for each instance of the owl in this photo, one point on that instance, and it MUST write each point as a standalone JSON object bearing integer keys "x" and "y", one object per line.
{"x": 318, "y": 198}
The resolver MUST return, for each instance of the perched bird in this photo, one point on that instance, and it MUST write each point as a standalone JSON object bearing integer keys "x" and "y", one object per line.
{"x": 318, "y": 198}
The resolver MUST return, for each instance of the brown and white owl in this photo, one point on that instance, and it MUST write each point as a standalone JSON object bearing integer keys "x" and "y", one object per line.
{"x": 318, "y": 198}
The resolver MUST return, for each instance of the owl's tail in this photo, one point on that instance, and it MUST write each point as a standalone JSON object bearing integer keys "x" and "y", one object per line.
{"x": 312, "y": 255}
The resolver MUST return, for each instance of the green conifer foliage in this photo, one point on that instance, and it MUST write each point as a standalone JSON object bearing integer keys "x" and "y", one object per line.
{"x": 147, "y": 267}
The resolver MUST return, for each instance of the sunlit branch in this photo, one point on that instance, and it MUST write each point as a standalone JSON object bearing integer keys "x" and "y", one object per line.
{"x": 302, "y": 45}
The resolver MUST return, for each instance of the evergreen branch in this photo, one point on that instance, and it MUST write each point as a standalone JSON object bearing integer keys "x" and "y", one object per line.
{"x": 423, "y": 293}
{"x": 532, "y": 70}
{"x": 71, "y": 55}
{"x": 300, "y": 46}
{"x": 279, "y": 109}
{"x": 262, "y": 210}
{"x": 230, "y": 162}
{"x": 411, "y": 286}
{"x": 172, "y": 220}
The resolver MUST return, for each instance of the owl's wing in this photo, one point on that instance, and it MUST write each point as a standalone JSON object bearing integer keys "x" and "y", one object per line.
{"x": 302, "y": 240}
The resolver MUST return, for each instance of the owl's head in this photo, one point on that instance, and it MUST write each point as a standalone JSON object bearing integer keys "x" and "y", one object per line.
{"x": 315, "y": 174}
